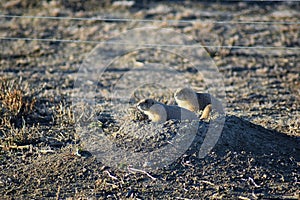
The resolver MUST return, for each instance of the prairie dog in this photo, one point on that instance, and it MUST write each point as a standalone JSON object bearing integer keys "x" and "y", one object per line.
{"x": 193, "y": 101}
{"x": 159, "y": 112}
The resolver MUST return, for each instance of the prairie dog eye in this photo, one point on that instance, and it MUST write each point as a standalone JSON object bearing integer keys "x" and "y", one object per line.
{"x": 149, "y": 102}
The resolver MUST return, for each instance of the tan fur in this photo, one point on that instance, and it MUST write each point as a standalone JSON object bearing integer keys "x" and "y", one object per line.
{"x": 188, "y": 105}
{"x": 206, "y": 112}
{"x": 159, "y": 112}
{"x": 189, "y": 99}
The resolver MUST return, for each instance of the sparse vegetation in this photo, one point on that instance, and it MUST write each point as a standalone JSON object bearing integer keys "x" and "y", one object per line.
{"x": 15, "y": 104}
{"x": 42, "y": 156}
{"x": 15, "y": 100}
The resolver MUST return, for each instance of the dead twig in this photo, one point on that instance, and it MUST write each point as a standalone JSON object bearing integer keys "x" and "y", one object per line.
{"x": 207, "y": 182}
{"x": 141, "y": 171}
{"x": 16, "y": 147}
{"x": 253, "y": 182}
{"x": 57, "y": 193}
{"x": 111, "y": 176}
{"x": 243, "y": 198}
{"x": 44, "y": 151}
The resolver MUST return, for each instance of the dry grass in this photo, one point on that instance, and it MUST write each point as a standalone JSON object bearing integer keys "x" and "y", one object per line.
{"x": 16, "y": 104}
{"x": 25, "y": 118}
{"x": 63, "y": 115}
{"x": 40, "y": 156}
{"x": 15, "y": 100}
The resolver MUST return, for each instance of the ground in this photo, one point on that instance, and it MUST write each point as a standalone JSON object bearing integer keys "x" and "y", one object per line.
{"x": 257, "y": 154}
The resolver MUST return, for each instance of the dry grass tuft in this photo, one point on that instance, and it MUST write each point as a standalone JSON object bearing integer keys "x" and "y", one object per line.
{"x": 18, "y": 136}
{"x": 63, "y": 115}
{"x": 16, "y": 104}
{"x": 21, "y": 113}
{"x": 13, "y": 99}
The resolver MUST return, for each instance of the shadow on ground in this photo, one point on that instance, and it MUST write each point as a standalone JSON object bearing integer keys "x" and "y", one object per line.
{"x": 241, "y": 135}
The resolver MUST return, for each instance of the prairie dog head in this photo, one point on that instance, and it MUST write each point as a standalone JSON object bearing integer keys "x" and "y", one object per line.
{"x": 153, "y": 109}
{"x": 187, "y": 98}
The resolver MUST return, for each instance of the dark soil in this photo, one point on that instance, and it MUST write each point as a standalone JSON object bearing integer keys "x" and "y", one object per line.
{"x": 42, "y": 156}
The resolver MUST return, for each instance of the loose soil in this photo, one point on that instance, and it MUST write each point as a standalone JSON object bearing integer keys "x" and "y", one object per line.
{"x": 257, "y": 155}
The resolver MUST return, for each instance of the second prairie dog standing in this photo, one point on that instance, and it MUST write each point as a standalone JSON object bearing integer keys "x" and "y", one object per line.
{"x": 193, "y": 101}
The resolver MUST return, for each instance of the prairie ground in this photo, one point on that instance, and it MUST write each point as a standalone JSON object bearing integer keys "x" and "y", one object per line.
{"x": 257, "y": 154}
